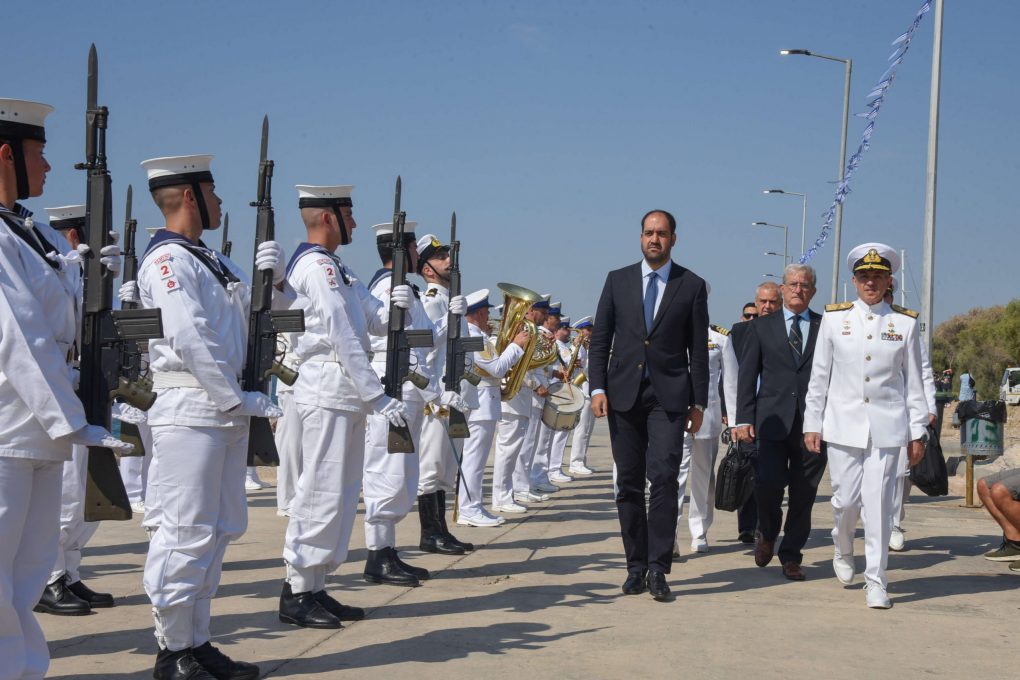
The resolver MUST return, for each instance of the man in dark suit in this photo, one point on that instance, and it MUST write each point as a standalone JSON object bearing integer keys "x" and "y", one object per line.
{"x": 775, "y": 367}
{"x": 648, "y": 361}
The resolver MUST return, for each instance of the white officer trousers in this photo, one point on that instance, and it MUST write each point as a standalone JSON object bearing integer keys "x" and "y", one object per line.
{"x": 697, "y": 468}
{"x": 476, "y": 452}
{"x": 202, "y": 509}
{"x": 134, "y": 470}
{"x": 151, "y": 518}
{"x": 288, "y": 447}
{"x": 437, "y": 466}
{"x": 75, "y": 532}
{"x": 540, "y": 462}
{"x": 29, "y": 531}
{"x": 526, "y": 458}
{"x": 391, "y": 479}
{"x": 582, "y": 435}
{"x": 902, "y": 490}
{"x": 863, "y": 482}
{"x": 558, "y": 446}
{"x": 510, "y": 444}
{"x": 326, "y": 501}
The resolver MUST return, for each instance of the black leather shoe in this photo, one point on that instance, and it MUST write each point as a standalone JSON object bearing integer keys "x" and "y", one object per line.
{"x": 657, "y": 586}
{"x": 58, "y": 599}
{"x": 746, "y": 537}
{"x": 179, "y": 665}
{"x": 437, "y": 543}
{"x": 95, "y": 600}
{"x": 341, "y": 611}
{"x": 635, "y": 583}
{"x": 419, "y": 573}
{"x": 445, "y": 529}
{"x": 380, "y": 567}
{"x": 302, "y": 609}
{"x": 221, "y": 666}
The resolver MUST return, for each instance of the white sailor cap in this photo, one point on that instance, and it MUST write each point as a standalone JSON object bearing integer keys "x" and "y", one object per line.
{"x": 565, "y": 322}
{"x": 384, "y": 231}
{"x": 66, "y": 216}
{"x": 479, "y": 299}
{"x": 555, "y": 308}
{"x": 583, "y": 322}
{"x": 20, "y": 119}
{"x": 877, "y": 256}
{"x": 171, "y": 171}
{"x": 335, "y": 196}
{"x": 428, "y": 246}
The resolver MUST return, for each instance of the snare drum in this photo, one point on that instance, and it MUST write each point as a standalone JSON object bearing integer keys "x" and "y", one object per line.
{"x": 563, "y": 407}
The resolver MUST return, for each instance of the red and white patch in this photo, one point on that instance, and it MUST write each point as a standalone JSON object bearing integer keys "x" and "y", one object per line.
{"x": 171, "y": 285}
{"x": 163, "y": 258}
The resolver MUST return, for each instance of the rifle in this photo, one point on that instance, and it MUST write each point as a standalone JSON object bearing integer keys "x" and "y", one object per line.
{"x": 399, "y": 342}
{"x": 227, "y": 244}
{"x": 104, "y": 331}
{"x": 456, "y": 346}
{"x": 264, "y": 323}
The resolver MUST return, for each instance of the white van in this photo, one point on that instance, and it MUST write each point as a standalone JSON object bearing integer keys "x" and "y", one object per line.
{"x": 1009, "y": 388}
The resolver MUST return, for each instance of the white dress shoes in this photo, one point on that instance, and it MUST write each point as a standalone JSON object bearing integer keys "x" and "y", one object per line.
{"x": 478, "y": 520}
{"x": 844, "y": 568}
{"x": 530, "y": 497}
{"x": 558, "y": 477}
{"x": 544, "y": 488}
{"x": 876, "y": 596}
{"x": 896, "y": 539}
{"x": 699, "y": 545}
{"x": 580, "y": 469}
{"x": 514, "y": 508}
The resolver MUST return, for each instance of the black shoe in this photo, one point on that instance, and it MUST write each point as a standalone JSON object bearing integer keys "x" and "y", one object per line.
{"x": 341, "y": 611}
{"x": 445, "y": 529}
{"x": 381, "y": 567}
{"x": 302, "y": 609}
{"x": 746, "y": 537}
{"x": 433, "y": 538}
{"x": 657, "y": 586}
{"x": 95, "y": 600}
{"x": 58, "y": 599}
{"x": 635, "y": 583}
{"x": 179, "y": 665}
{"x": 419, "y": 573}
{"x": 221, "y": 666}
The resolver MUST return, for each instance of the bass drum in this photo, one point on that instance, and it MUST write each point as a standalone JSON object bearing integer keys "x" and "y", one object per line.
{"x": 563, "y": 407}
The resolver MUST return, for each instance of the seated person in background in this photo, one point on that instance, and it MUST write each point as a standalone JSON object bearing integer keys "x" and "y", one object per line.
{"x": 1000, "y": 493}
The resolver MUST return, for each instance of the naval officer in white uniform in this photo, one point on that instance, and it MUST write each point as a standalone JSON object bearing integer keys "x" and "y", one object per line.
{"x": 866, "y": 400}
{"x": 582, "y": 433}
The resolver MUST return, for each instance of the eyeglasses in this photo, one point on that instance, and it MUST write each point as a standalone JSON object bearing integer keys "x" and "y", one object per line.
{"x": 799, "y": 286}
{"x": 750, "y": 316}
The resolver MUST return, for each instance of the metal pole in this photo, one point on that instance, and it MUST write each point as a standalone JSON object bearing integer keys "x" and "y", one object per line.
{"x": 803, "y": 226}
{"x": 903, "y": 278}
{"x": 844, "y": 291}
{"x": 931, "y": 176}
{"x": 786, "y": 235}
{"x": 838, "y": 234}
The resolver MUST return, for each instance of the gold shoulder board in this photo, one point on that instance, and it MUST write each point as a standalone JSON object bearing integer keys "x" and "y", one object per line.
{"x": 903, "y": 310}
{"x": 719, "y": 329}
{"x": 838, "y": 306}
{"x": 432, "y": 292}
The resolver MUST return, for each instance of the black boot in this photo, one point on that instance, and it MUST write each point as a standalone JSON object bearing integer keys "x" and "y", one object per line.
{"x": 179, "y": 665}
{"x": 381, "y": 567}
{"x": 341, "y": 611}
{"x": 95, "y": 600}
{"x": 58, "y": 599}
{"x": 450, "y": 538}
{"x": 419, "y": 573}
{"x": 302, "y": 609}
{"x": 432, "y": 538}
{"x": 221, "y": 666}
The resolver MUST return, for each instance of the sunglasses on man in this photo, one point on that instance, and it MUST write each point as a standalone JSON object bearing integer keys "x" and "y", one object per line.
{"x": 752, "y": 315}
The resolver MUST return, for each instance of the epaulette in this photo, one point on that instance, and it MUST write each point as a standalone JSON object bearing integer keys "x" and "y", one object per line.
{"x": 903, "y": 310}
{"x": 838, "y": 306}
{"x": 432, "y": 292}
{"x": 719, "y": 329}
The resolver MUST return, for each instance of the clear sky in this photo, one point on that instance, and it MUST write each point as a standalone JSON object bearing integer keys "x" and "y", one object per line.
{"x": 551, "y": 127}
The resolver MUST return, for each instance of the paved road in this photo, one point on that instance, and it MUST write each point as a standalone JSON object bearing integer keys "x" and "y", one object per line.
{"x": 541, "y": 598}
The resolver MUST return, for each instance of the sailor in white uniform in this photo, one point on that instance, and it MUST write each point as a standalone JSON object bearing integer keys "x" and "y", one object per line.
{"x": 536, "y": 387}
{"x": 540, "y": 470}
{"x": 565, "y": 350}
{"x": 582, "y": 433}
{"x": 866, "y": 401}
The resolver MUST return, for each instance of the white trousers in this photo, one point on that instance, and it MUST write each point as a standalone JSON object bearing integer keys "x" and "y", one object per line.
{"x": 582, "y": 435}
{"x": 525, "y": 460}
{"x": 437, "y": 466}
{"x": 697, "y": 469}
{"x": 326, "y": 501}
{"x": 863, "y": 482}
{"x": 512, "y": 438}
{"x": 476, "y": 452}
{"x": 134, "y": 470}
{"x": 902, "y": 490}
{"x": 559, "y": 445}
{"x": 288, "y": 447}
{"x": 390, "y": 484}
{"x": 75, "y": 532}
{"x": 29, "y": 530}
{"x": 202, "y": 509}
{"x": 540, "y": 461}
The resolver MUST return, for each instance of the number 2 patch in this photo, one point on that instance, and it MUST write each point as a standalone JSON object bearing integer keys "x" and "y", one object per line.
{"x": 330, "y": 272}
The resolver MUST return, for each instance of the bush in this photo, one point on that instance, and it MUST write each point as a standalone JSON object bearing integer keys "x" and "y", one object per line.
{"x": 983, "y": 342}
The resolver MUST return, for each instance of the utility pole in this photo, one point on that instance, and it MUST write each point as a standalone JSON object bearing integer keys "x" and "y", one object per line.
{"x": 903, "y": 278}
{"x": 931, "y": 177}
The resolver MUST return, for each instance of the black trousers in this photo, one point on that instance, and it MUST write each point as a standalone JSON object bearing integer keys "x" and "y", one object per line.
{"x": 647, "y": 443}
{"x": 781, "y": 464}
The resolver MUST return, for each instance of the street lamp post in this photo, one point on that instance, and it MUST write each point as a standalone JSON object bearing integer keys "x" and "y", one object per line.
{"x": 786, "y": 232}
{"x": 848, "y": 65}
{"x": 803, "y": 214}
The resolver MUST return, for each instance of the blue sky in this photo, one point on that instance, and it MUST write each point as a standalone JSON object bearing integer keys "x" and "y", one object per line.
{"x": 552, "y": 127}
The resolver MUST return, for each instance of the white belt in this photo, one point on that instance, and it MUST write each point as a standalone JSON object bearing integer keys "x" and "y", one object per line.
{"x": 331, "y": 358}
{"x": 162, "y": 380}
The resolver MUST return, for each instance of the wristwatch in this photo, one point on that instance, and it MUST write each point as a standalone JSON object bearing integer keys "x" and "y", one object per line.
{"x": 700, "y": 407}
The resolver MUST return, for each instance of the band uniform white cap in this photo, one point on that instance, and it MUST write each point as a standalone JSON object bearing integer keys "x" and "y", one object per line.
{"x": 336, "y": 191}
{"x": 386, "y": 228}
{"x": 65, "y": 212}
{"x": 564, "y": 320}
{"x": 477, "y": 299}
{"x": 172, "y": 166}
{"x": 582, "y": 321}
{"x": 882, "y": 250}
{"x": 22, "y": 112}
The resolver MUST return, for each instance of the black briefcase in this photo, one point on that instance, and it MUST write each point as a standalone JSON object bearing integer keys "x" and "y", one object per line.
{"x": 734, "y": 483}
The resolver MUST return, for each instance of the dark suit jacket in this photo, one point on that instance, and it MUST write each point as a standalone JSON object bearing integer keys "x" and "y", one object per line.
{"x": 774, "y": 403}
{"x": 737, "y": 334}
{"x": 676, "y": 349}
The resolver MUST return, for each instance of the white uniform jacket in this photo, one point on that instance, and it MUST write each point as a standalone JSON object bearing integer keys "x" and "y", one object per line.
{"x": 489, "y": 404}
{"x": 722, "y": 366}
{"x": 335, "y": 351}
{"x": 38, "y": 326}
{"x": 866, "y": 377}
{"x": 437, "y": 306}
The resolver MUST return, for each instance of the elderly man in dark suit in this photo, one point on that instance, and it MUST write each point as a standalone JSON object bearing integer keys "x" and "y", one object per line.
{"x": 775, "y": 367}
{"x": 653, "y": 385}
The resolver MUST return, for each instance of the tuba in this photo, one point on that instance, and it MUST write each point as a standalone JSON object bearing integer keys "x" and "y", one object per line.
{"x": 517, "y": 301}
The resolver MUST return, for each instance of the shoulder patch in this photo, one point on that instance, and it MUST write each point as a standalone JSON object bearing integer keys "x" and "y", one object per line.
{"x": 432, "y": 292}
{"x": 839, "y": 306}
{"x": 719, "y": 329}
{"x": 903, "y": 310}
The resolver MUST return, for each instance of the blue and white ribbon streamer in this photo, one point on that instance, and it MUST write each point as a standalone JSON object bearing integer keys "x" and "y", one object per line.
{"x": 877, "y": 97}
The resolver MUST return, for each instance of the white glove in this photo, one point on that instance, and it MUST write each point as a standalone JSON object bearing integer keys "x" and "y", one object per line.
{"x": 401, "y": 296}
{"x": 451, "y": 399}
{"x": 73, "y": 257}
{"x": 128, "y": 291}
{"x": 458, "y": 306}
{"x": 393, "y": 410}
{"x": 269, "y": 255}
{"x": 93, "y": 435}
{"x": 257, "y": 405}
{"x": 110, "y": 257}
{"x": 126, "y": 413}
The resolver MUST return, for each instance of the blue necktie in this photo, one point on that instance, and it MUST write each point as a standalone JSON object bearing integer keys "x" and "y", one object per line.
{"x": 796, "y": 338}
{"x": 651, "y": 292}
